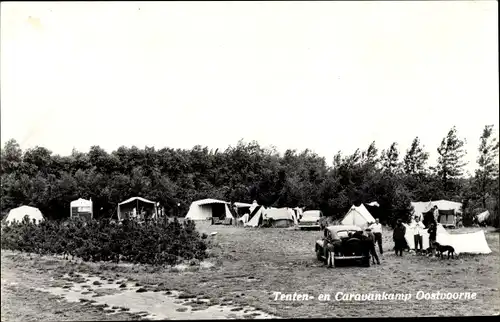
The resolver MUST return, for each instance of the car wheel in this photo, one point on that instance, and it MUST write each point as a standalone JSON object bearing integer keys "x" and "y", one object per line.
{"x": 366, "y": 262}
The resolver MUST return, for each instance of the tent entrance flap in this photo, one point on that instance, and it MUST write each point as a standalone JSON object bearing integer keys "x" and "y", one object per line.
{"x": 137, "y": 208}
{"x": 218, "y": 210}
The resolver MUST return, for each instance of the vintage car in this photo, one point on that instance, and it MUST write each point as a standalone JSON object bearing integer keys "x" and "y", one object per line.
{"x": 345, "y": 245}
{"x": 311, "y": 219}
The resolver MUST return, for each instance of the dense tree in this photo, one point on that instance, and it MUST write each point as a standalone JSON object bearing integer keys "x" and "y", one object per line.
{"x": 415, "y": 158}
{"x": 450, "y": 162}
{"x": 390, "y": 159}
{"x": 487, "y": 174}
{"x": 246, "y": 172}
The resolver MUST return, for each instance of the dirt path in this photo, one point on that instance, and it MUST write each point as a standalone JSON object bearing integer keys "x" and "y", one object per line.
{"x": 21, "y": 302}
{"x": 70, "y": 295}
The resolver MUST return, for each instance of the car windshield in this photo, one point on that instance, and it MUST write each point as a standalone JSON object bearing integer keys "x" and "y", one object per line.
{"x": 311, "y": 215}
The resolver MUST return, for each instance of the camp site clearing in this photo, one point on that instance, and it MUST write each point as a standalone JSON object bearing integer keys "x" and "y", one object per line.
{"x": 246, "y": 269}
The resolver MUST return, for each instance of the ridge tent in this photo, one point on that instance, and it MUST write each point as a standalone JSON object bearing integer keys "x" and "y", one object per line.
{"x": 358, "y": 216}
{"x": 81, "y": 208}
{"x": 207, "y": 209}
{"x": 472, "y": 243}
{"x": 131, "y": 208}
{"x": 255, "y": 217}
{"x": 282, "y": 217}
{"x": 18, "y": 214}
{"x": 298, "y": 212}
{"x": 253, "y": 206}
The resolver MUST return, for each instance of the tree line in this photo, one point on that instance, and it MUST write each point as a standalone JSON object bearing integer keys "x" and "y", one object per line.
{"x": 247, "y": 172}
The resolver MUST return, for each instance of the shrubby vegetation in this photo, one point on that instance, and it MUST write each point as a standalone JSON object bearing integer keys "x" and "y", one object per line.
{"x": 250, "y": 172}
{"x": 148, "y": 243}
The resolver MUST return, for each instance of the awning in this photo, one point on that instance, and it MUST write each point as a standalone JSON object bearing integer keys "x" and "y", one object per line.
{"x": 134, "y": 199}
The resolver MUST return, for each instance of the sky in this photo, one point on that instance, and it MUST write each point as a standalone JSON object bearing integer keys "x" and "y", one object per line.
{"x": 326, "y": 76}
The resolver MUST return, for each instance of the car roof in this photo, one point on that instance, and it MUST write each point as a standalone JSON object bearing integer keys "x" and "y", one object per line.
{"x": 336, "y": 228}
{"x": 311, "y": 212}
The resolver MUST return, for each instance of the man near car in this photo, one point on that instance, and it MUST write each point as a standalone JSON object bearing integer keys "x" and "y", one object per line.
{"x": 328, "y": 244}
{"x": 371, "y": 238}
{"x": 417, "y": 228}
{"x": 376, "y": 229}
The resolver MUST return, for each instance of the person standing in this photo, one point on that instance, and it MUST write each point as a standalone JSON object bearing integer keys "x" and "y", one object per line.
{"x": 432, "y": 238}
{"x": 398, "y": 236}
{"x": 371, "y": 239}
{"x": 418, "y": 228}
{"x": 435, "y": 213}
{"x": 376, "y": 229}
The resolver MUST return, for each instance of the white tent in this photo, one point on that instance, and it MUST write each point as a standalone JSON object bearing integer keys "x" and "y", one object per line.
{"x": 18, "y": 214}
{"x": 253, "y": 206}
{"x": 281, "y": 217}
{"x": 81, "y": 208}
{"x": 131, "y": 205}
{"x": 298, "y": 212}
{"x": 255, "y": 216}
{"x": 473, "y": 243}
{"x": 483, "y": 216}
{"x": 422, "y": 207}
{"x": 208, "y": 208}
{"x": 358, "y": 216}
{"x": 450, "y": 211}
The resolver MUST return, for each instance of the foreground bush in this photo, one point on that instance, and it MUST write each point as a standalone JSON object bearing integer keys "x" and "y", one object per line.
{"x": 146, "y": 243}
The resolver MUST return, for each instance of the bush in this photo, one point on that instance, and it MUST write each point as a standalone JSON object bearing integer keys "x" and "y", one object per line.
{"x": 142, "y": 243}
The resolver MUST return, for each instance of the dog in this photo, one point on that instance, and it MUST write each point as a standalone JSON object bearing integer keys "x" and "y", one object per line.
{"x": 443, "y": 249}
{"x": 427, "y": 252}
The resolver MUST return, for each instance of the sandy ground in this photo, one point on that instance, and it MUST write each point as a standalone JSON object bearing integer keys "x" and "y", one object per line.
{"x": 250, "y": 265}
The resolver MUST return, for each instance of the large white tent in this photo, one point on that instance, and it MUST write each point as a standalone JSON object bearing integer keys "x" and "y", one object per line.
{"x": 206, "y": 209}
{"x": 358, "y": 216}
{"x": 473, "y": 242}
{"x": 81, "y": 208}
{"x": 18, "y": 214}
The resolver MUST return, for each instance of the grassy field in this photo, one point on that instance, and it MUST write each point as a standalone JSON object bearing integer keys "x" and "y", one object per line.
{"x": 251, "y": 264}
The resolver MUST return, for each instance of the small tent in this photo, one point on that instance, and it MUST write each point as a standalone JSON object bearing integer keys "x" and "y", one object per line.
{"x": 253, "y": 206}
{"x": 281, "y": 217}
{"x": 255, "y": 217}
{"x": 358, "y": 216}
{"x": 209, "y": 208}
{"x": 298, "y": 212}
{"x": 18, "y": 214}
{"x": 81, "y": 208}
{"x": 482, "y": 217}
{"x": 137, "y": 208}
